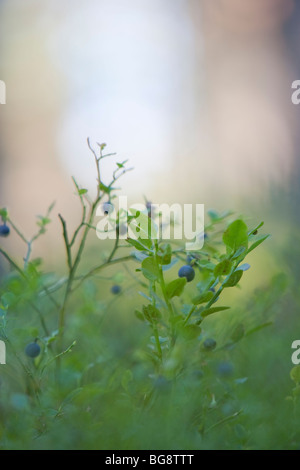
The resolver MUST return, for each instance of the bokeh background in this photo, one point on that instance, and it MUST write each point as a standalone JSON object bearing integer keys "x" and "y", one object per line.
{"x": 197, "y": 94}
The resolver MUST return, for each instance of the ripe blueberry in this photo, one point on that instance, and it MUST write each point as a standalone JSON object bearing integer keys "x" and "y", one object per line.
{"x": 122, "y": 229}
{"x": 210, "y": 344}
{"x": 225, "y": 369}
{"x": 32, "y": 350}
{"x": 107, "y": 207}
{"x": 4, "y": 230}
{"x": 115, "y": 289}
{"x": 187, "y": 272}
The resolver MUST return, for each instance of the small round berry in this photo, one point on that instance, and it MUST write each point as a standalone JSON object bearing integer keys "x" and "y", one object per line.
{"x": 107, "y": 207}
{"x": 4, "y": 230}
{"x": 122, "y": 229}
{"x": 212, "y": 289}
{"x": 115, "y": 289}
{"x": 187, "y": 272}
{"x": 210, "y": 344}
{"x": 32, "y": 350}
{"x": 225, "y": 369}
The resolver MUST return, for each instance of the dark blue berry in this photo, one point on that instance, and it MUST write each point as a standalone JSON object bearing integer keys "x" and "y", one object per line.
{"x": 225, "y": 369}
{"x": 4, "y": 230}
{"x": 212, "y": 289}
{"x": 32, "y": 350}
{"x": 122, "y": 229}
{"x": 210, "y": 344}
{"x": 187, "y": 272}
{"x": 115, "y": 289}
{"x": 107, "y": 207}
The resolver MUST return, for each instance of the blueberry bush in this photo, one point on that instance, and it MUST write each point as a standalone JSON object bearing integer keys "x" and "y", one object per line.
{"x": 134, "y": 346}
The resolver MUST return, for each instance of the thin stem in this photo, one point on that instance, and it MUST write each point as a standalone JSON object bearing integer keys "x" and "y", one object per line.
{"x": 193, "y": 308}
{"x": 156, "y": 336}
{"x": 66, "y": 239}
{"x": 100, "y": 267}
{"x": 224, "y": 420}
{"x": 162, "y": 282}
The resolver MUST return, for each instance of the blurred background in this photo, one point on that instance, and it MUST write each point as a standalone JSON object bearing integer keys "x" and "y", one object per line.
{"x": 197, "y": 94}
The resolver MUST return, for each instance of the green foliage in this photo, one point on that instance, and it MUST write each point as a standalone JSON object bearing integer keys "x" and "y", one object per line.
{"x": 112, "y": 372}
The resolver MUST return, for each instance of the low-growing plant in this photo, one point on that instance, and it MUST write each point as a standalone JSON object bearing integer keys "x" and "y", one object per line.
{"x": 65, "y": 368}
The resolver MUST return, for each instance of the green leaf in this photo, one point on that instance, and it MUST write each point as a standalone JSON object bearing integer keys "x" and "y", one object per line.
{"x": 256, "y": 228}
{"x": 122, "y": 164}
{"x": 82, "y": 191}
{"x": 151, "y": 313}
{"x": 259, "y": 240}
{"x": 150, "y": 269}
{"x": 4, "y": 214}
{"x": 190, "y": 331}
{"x": 8, "y": 299}
{"x": 176, "y": 287}
{"x": 43, "y": 221}
{"x": 295, "y": 374}
{"x": 139, "y": 223}
{"x": 238, "y": 333}
{"x": 258, "y": 328}
{"x": 239, "y": 252}
{"x": 214, "y": 216}
{"x": 296, "y": 391}
{"x": 210, "y": 311}
{"x": 243, "y": 267}
{"x": 236, "y": 235}
{"x": 234, "y": 279}
{"x": 165, "y": 254}
{"x": 223, "y": 268}
{"x": 104, "y": 188}
{"x": 139, "y": 315}
{"x": 202, "y": 298}
{"x": 141, "y": 244}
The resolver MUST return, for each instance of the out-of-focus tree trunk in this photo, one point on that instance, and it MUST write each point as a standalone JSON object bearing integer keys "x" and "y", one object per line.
{"x": 30, "y": 173}
{"x": 245, "y": 69}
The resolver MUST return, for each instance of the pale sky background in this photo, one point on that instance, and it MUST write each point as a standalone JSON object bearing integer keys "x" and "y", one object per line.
{"x": 124, "y": 71}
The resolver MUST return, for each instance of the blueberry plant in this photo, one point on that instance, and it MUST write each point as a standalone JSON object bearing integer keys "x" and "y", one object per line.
{"x": 61, "y": 368}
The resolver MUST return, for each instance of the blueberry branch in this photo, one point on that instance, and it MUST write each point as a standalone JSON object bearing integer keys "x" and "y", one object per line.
{"x": 86, "y": 224}
{"x": 23, "y": 275}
